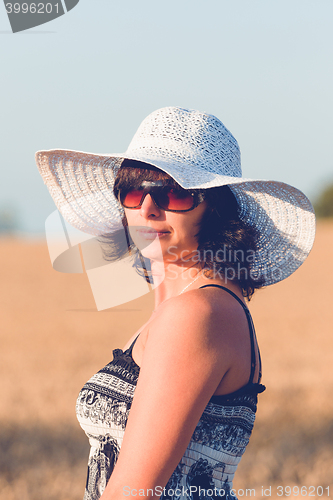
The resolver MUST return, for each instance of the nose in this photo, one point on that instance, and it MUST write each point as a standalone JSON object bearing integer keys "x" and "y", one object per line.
{"x": 148, "y": 208}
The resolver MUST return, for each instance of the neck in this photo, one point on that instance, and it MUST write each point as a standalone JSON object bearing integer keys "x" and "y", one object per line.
{"x": 170, "y": 279}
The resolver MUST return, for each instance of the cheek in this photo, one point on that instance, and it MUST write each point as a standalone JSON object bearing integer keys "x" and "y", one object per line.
{"x": 190, "y": 223}
{"x": 127, "y": 215}
{"x": 185, "y": 234}
{"x": 131, "y": 217}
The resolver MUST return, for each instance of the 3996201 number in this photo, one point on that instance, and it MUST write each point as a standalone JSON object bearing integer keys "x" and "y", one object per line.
{"x": 33, "y": 8}
{"x": 304, "y": 491}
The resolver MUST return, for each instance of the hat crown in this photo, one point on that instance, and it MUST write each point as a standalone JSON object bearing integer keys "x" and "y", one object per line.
{"x": 188, "y": 138}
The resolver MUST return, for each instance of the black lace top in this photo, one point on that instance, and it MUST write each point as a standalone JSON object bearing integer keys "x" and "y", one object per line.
{"x": 213, "y": 453}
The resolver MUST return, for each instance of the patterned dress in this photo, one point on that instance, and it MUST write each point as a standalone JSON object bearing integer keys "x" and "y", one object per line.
{"x": 208, "y": 465}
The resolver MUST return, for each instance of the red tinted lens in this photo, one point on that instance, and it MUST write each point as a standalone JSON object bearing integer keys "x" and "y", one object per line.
{"x": 131, "y": 199}
{"x": 167, "y": 198}
{"x": 174, "y": 199}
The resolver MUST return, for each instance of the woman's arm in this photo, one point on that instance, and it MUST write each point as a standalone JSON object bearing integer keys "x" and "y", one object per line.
{"x": 188, "y": 350}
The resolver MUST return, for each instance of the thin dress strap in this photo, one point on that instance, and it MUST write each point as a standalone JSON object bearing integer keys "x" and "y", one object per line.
{"x": 130, "y": 348}
{"x": 251, "y": 329}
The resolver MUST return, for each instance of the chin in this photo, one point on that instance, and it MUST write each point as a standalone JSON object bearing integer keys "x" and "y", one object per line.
{"x": 150, "y": 249}
{"x": 153, "y": 252}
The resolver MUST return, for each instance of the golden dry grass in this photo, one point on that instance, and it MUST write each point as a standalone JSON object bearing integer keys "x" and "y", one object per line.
{"x": 53, "y": 340}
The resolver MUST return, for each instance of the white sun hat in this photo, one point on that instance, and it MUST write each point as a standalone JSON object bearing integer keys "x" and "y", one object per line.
{"x": 198, "y": 152}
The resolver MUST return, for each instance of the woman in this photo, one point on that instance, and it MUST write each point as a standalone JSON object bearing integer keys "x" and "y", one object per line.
{"x": 185, "y": 386}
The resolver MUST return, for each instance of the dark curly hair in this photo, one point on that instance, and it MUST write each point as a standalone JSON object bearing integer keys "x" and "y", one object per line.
{"x": 226, "y": 244}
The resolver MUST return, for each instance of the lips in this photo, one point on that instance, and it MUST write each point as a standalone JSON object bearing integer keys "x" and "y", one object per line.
{"x": 151, "y": 234}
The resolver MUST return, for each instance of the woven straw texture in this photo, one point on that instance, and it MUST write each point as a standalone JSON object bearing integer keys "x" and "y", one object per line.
{"x": 198, "y": 152}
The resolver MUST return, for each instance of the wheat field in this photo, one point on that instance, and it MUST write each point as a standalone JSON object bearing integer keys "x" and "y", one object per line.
{"x": 53, "y": 340}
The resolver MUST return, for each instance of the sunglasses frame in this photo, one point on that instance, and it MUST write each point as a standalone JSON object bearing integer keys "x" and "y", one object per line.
{"x": 149, "y": 188}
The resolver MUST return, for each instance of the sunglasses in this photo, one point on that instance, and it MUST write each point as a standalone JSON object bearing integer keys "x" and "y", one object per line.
{"x": 165, "y": 197}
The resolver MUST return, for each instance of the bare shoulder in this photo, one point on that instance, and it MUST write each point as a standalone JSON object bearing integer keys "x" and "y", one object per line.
{"x": 209, "y": 320}
{"x": 202, "y": 307}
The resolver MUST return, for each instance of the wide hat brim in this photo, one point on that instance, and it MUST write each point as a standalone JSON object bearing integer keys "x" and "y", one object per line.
{"x": 81, "y": 185}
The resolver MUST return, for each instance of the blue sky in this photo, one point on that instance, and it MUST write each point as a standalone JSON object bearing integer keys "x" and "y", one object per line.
{"x": 87, "y": 79}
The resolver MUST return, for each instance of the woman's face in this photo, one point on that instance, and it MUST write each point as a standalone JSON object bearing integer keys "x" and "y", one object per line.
{"x": 164, "y": 235}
